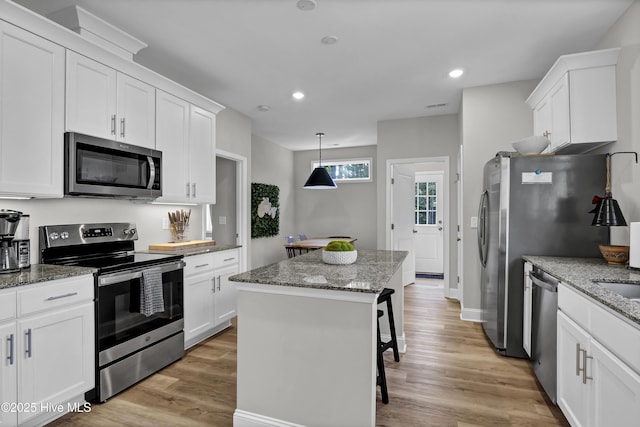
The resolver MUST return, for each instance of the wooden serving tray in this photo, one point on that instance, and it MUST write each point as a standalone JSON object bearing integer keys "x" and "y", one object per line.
{"x": 189, "y": 244}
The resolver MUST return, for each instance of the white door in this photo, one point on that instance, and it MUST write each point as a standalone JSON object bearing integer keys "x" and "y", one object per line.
{"x": 136, "y": 112}
{"x": 202, "y": 160}
{"x": 429, "y": 241}
{"x": 402, "y": 219}
{"x": 8, "y": 370}
{"x": 226, "y": 295}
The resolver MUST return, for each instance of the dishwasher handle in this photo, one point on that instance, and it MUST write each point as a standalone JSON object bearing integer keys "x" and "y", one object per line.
{"x": 551, "y": 287}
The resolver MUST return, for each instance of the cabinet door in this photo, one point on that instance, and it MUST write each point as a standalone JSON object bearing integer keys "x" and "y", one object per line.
{"x": 202, "y": 155}
{"x": 56, "y": 356}
{"x": 31, "y": 114}
{"x": 136, "y": 112}
{"x": 542, "y": 118}
{"x": 91, "y": 97}
{"x": 526, "y": 312}
{"x": 198, "y": 306}
{"x": 560, "y": 118}
{"x": 8, "y": 376}
{"x": 616, "y": 390}
{"x": 172, "y": 131}
{"x": 573, "y": 394}
{"x": 226, "y": 299}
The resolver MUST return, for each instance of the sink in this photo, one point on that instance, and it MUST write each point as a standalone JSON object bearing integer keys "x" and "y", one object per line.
{"x": 627, "y": 290}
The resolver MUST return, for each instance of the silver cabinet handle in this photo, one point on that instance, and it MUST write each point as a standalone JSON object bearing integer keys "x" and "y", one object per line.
{"x": 28, "y": 349}
{"x": 188, "y": 192}
{"x": 229, "y": 259}
{"x": 219, "y": 282}
{"x": 578, "y": 359}
{"x": 194, "y": 189}
{"x": 70, "y": 294}
{"x": 213, "y": 281}
{"x": 585, "y": 377}
{"x": 122, "y": 127}
{"x": 113, "y": 124}
{"x": 10, "y": 345}
{"x": 201, "y": 265}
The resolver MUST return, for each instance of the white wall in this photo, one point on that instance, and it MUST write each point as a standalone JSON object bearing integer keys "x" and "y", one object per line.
{"x": 437, "y": 136}
{"x": 624, "y": 172}
{"x": 273, "y": 165}
{"x": 492, "y": 118}
{"x": 349, "y": 210}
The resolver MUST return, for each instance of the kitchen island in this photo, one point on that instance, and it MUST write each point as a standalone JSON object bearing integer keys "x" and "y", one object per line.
{"x": 307, "y": 339}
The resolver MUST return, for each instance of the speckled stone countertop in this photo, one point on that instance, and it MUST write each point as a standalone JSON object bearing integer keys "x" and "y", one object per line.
{"x": 370, "y": 273}
{"x": 41, "y": 273}
{"x": 583, "y": 273}
{"x": 195, "y": 251}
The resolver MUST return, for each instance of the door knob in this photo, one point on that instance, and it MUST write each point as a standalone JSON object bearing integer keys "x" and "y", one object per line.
{"x": 439, "y": 228}
{"x": 415, "y": 231}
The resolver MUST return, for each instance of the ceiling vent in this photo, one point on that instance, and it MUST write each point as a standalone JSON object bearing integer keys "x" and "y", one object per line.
{"x": 98, "y": 31}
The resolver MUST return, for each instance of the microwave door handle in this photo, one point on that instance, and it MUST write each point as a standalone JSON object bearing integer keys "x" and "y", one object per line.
{"x": 152, "y": 172}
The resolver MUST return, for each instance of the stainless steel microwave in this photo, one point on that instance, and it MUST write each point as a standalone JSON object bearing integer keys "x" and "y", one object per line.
{"x": 96, "y": 167}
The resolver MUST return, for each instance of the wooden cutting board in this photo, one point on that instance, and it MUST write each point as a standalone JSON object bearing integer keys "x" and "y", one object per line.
{"x": 189, "y": 244}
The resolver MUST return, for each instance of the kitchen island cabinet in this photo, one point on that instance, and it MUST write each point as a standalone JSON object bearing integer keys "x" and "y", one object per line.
{"x": 31, "y": 114}
{"x": 307, "y": 339}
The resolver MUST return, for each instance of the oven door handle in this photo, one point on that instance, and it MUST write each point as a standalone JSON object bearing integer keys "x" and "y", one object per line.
{"x": 113, "y": 278}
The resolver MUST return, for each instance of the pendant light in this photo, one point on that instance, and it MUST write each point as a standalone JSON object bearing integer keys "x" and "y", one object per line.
{"x": 319, "y": 178}
{"x": 607, "y": 211}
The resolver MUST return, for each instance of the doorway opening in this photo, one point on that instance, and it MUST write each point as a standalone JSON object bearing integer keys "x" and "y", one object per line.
{"x": 426, "y": 234}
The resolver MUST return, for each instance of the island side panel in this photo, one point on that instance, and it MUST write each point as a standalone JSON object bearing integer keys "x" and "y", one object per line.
{"x": 307, "y": 359}
{"x": 397, "y": 300}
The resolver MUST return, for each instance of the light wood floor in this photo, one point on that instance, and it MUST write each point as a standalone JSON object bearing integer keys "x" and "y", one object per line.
{"x": 449, "y": 377}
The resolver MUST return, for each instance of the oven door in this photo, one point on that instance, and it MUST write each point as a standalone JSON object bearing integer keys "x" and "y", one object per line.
{"x": 99, "y": 167}
{"x": 123, "y": 324}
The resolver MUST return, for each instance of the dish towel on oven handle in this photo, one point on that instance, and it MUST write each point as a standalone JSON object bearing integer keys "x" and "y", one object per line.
{"x": 151, "y": 294}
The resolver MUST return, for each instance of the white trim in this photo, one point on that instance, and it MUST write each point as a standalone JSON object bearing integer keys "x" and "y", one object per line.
{"x": 401, "y": 340}
{"x": 446, "y": 202}
{"x": 249, "y": 419}
{"x": 453, "y": 293}
{"x": 334, "y": 162}
{"x": 471, "y": 314}
{"x": 296, "y": 291}
{"x": 242, "y": 204}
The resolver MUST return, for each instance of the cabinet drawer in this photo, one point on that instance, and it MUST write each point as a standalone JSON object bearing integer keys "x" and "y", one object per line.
{"x": 574, "y": 305}
{"x": 7, "y": 305}
{"x": 196, "y": 264}
{"x": 56, "y": 293}
{"x": 225, "y": 258}
{"x": 620, "y": 338}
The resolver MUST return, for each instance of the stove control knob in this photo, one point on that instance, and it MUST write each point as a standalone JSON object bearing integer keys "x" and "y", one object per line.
{"x": 64, "y": 235}
{"x": 54, "y": 236}
{"x": 132, "y": 231}
{"x": 129, "y": 232}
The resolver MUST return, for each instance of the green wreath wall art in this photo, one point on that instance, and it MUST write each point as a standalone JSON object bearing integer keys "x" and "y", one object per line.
{"x": 265, "y": 212}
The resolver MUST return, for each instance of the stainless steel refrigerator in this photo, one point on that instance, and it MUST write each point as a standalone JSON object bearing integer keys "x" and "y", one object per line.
{"x": 532, "y": 205}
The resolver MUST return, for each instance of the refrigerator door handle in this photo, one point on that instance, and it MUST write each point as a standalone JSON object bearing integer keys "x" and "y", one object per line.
{"x": 482, "y": 228}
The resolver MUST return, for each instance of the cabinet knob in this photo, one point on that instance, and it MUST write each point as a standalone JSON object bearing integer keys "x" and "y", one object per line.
{"x": 546, "y": 134}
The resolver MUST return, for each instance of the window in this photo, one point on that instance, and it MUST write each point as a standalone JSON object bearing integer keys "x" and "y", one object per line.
{"x": 426, "y": 193}
{"x": 355, "y": 170}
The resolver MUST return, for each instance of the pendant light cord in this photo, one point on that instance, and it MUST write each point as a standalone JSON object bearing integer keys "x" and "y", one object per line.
{"x": 320, "y": 135}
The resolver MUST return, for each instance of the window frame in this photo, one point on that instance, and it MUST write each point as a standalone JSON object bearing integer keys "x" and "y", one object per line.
{"x": 338, "y": 162}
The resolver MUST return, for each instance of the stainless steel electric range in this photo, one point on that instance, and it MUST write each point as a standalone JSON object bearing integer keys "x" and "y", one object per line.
{"x": 138, "y": 300}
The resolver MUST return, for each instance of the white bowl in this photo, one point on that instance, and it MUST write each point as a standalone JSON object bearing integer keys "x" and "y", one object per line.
{"x": 531, "y": 145}
{"x": 339, "y": 257}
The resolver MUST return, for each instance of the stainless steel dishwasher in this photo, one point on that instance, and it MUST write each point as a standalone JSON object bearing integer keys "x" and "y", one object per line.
{"x": 544, "y": 308}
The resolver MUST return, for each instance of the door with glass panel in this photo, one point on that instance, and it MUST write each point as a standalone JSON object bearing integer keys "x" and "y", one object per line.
{"x": 429, "y": 225}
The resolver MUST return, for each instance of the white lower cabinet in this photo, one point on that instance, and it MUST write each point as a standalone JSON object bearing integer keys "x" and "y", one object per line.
{"x": 595, "y": 386}
{"x": 47, "y": 349}
{"x": 209, "y": 297}
{"x": 526, "y": 309}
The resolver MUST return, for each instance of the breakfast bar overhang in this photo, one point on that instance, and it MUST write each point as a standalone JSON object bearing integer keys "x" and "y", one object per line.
{"x": 307, "y": 336}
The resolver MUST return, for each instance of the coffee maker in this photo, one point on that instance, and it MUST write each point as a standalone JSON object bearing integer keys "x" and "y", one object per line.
{"x": 21, "y": 242}
{"x": 9, "y": 221}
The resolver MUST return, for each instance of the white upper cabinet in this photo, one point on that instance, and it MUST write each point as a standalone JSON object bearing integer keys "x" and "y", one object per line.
{"x": 574, "y": 105}
{"x": 186, "y": 137}
{"x": 31, "y": 114}
{"x": 106, "y": 103}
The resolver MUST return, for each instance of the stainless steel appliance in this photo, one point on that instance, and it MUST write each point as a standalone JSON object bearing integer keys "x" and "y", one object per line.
{"x": 96, "y": 167}
{"x": 544, "y": 308}
{"x": 9, "y": 221}
{"x": 22, "y": 243}
{"x": 138, "y": 300}
{"x": 531, "y": 205}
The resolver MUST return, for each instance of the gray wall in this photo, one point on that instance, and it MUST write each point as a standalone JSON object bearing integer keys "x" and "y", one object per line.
{"x": 226, "y": 193}
{"x": 273, "y": 165}
{"x": 492, "y": 118}
{"x": 419, "y": 137}
{"x": 349, "y": 210}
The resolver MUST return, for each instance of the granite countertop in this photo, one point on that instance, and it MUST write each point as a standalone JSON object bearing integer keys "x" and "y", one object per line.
{"x": 41, "y": 273}
{"x": 194, "y": 251}
{"x": 583, "y": 273}
{"x": 370, "y": 273}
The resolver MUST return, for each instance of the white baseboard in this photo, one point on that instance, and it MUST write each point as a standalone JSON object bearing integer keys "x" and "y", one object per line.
{"x": 249, "y": 419}
{"x": 453, "y": 294}
{"x": 471, "y": 314}
{"x": 402, "y": 342}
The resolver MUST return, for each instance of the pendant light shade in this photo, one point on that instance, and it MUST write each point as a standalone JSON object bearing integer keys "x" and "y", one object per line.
{"x": 607, "y": 211}
{"x": 320, "y": 178}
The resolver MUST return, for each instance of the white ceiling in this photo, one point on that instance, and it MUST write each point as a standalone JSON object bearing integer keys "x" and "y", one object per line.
{"x": 392, "y": 57}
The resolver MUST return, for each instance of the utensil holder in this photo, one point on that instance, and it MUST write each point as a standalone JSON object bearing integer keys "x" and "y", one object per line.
{"x": 179, "y": 231}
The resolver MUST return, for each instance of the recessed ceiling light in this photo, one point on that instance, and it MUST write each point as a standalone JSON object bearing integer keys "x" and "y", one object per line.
{"x": 306, "y": 4}
{"x": 263, "y": 108}
{"x": 298, "y": 95}
{"x": 456, "y": 73}
{"x": 329, "y": 40}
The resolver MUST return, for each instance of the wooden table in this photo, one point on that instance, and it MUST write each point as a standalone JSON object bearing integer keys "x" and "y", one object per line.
{"x": 316, "y": 242}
